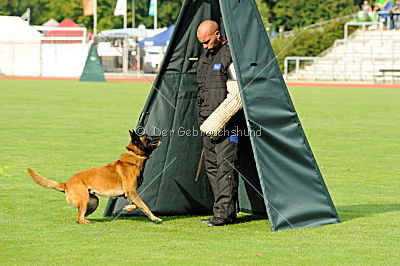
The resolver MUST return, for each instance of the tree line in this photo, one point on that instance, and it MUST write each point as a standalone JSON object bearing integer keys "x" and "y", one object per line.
{"x": 290, "y": 13}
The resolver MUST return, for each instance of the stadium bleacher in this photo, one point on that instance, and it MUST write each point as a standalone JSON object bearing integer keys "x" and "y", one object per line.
{"x": 366, "y": 56}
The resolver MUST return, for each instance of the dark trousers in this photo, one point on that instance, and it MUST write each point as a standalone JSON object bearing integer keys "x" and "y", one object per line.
{"x": 219, "y": 158}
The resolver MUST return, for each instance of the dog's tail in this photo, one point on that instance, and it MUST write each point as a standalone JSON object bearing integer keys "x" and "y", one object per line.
{"x": 45, "y": 182}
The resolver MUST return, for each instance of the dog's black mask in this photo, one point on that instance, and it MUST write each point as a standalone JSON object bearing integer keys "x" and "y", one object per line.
{"x": 145, "y": 142}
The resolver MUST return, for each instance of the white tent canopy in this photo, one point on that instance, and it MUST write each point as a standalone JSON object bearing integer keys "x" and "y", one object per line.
{"x": 19, "y": 47}
{"x": 14, "y": 29}
{"x": 51, "y": 23}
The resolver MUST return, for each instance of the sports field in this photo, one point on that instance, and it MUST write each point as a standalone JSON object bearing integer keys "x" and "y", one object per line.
{"x": 61, "y": 127}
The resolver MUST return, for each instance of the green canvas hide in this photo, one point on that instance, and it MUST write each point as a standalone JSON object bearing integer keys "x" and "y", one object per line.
{"x": 93, "y": 70}
{"x": 280, "y": 176}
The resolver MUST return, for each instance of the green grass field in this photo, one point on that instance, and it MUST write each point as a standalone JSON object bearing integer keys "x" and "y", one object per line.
{"x": 61, "y": 127}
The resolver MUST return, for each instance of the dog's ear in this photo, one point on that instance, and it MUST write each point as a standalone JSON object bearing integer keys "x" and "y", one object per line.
{"x": 135, "y": 137}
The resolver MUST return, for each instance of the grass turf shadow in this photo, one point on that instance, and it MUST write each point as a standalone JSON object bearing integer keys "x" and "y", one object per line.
{"x": 346, "y": 213}
{"x": 241, "y": 219}
{"x": 138, "y": 218}
{"x": 350, "y": 212}
{"x": 249, "y": 218}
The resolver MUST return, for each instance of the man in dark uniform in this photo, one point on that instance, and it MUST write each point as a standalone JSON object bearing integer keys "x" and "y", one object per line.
{"x": 220, "y": 152}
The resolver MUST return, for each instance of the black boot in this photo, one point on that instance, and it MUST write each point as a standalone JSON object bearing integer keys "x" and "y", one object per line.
{"x": 207, "y": 220}
{"x": 219, "y": 221}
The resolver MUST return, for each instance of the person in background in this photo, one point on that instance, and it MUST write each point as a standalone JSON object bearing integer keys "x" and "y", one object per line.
{"x": 366, "y": 10}
{"x": 395, "y": 18}
{"x": 387, "y": 6}
{"x": 375, "y": 10}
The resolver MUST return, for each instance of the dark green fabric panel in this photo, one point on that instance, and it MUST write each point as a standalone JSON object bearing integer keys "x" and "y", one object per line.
{"x": 93, "y": 70}
{"x": 178, "y": 186}
{"x": 291, "y": 182}
{"x": 249, "y": 200}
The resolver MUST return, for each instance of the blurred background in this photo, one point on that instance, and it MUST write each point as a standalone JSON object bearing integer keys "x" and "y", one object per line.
{"x": 341, "y": 40}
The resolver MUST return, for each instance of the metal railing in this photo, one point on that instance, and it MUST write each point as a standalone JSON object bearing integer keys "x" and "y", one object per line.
{"x": 358, "y": 24}
{"x": 297, "y": 60}
{"x": 389, "y": 16}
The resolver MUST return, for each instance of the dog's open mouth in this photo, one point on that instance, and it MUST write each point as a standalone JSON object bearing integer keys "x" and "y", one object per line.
{"x": 155, "y": 142}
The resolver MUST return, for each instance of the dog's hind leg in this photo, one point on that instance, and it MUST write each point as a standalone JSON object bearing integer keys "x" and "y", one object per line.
{"x": 78, "y": 196}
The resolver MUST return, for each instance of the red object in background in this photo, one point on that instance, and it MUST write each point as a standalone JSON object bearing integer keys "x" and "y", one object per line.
{"x": 66, "y": 23}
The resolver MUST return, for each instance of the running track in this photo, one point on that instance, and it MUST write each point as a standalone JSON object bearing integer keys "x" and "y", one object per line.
{"x": 289, "y": 84}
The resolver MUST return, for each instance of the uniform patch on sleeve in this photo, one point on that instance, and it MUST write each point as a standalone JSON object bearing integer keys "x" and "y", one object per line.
{"x": 217, "y": 66}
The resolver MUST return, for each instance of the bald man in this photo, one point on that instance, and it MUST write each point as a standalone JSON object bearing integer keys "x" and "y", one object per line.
{"x": 220, "y": 145}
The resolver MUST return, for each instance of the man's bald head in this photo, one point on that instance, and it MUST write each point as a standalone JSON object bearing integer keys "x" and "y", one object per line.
{"x": 209, "y": 35}
{"x": 207, "y": 27}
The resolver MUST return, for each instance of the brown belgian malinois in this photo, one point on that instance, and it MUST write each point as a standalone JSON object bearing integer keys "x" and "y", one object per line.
{"x": 118, "y": 178}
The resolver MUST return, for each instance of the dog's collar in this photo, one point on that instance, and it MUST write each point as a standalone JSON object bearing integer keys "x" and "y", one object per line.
{"x": 132, "y": 158}
{"x": 140, "y": 156}
{"x": 144, "y": 157}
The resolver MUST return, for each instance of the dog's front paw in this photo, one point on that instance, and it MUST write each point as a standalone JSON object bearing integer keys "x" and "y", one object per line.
{"x": 84, "y": 222}
{"x": 156, "y": 220}
{"x": 130, "y": 207}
